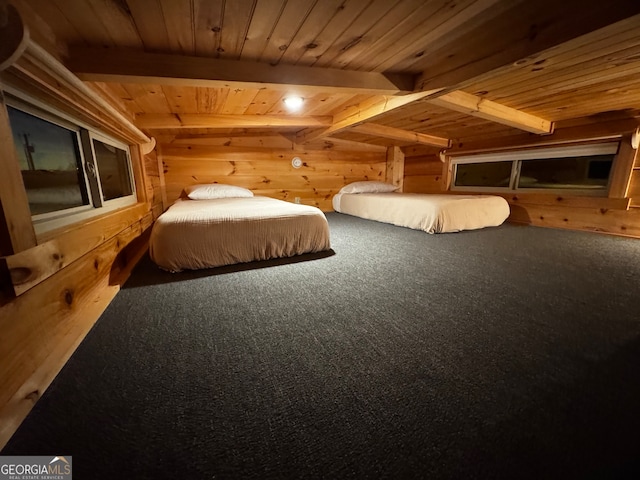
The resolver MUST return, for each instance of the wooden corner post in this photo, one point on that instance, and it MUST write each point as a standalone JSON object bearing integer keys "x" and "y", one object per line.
{"x": 395, "y": 167}
{"x": 622, "y": 169}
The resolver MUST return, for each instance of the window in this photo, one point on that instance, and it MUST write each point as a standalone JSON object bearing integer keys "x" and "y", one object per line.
{"x": 69, "y": 171}
{"x": 113, "y": 165}
{"x": 574, "y": 172}
{"x": 489, "y": 174}
{"x": 50, "y": 162}
{"x": 583, "y": 169}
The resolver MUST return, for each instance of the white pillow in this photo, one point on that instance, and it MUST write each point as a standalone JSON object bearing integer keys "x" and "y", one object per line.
{"x": 216, "y": 190}
{"x": 368, "y": 187}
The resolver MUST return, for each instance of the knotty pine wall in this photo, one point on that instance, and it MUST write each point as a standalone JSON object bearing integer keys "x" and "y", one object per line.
{"x": 263, "y": 165}
{"x": 425, "y": 173}
{"x": 423, "y": 170}
{"x": 67, "y": 278}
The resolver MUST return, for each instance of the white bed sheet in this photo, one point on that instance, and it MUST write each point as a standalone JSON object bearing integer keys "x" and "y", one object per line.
{"x": 194, "y": 234}
{"x": 431, "y": 213}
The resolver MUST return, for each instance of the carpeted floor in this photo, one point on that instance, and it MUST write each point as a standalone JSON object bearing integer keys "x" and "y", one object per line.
{"x": 509, "y": 352}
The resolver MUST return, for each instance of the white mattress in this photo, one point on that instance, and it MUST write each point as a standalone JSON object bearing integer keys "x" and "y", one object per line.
{"x": 194, "y": 234}
{"x": 431, "y": 213}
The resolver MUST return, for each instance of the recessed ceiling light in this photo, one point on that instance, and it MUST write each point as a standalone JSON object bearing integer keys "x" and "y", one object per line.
{"x": 293, "y": 103}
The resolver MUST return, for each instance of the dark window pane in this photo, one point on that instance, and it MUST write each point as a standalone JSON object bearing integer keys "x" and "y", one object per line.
{"x": 113, "y": 168}
{"x": 490, "y": 174}
{"x": 572, "y": 172}
{"x": 50, "y": 163}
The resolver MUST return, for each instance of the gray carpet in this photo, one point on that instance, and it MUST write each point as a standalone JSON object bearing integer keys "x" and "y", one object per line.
{"x": 509, "y": 352}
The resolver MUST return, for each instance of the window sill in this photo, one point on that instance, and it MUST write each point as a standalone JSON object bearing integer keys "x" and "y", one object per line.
{"x": 64, "y": 246}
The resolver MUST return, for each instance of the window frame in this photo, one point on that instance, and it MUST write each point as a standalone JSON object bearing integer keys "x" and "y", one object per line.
{"x": 516, "y": 157}
{"x": 124, "y": 200}
{"x": 46, "y": 222}
{"x": 62, "y": 123}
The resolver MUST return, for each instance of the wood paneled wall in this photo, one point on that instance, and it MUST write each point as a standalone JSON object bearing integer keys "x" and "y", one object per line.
{"x": 422, "y": 170}
{"x": 607, "y": 215}
{"x": 597, "y": 214}
{"x": 42, "y": 327}
{"x": 154, "y": 182}
{"x": 265, "y": 168}
{"x": 425, "y": 173}
{"x": 71, "y": 275}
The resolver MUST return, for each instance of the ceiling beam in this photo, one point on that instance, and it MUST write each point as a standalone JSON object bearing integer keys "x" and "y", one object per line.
{"x": 282, "y": 141}
{"x": 328, "y": 143}
{"x": 363, "y": 112}
{"x": 342, "y": 144}
{"x": 401, "y": 135}
{"x": 132, "y": 66}
{"x": 533, "y": 27}
{"x": 250, "y": 140}
{"x": 584, "y": 133}
{"x": 158, "y": 121}
{"x": 480, "y": 107}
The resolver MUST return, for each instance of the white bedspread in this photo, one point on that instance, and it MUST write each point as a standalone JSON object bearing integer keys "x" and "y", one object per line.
{"x": 431, "y": 213}
{"x": 195, "y": 234}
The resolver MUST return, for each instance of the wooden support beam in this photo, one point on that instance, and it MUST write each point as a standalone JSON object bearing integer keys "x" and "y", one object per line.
{"x": 401, "y": 135}
{"x": 480, "y": 107}
{"x": 596, "y": 132}
{"x": 332, "y": 143}
{"x": 281, "y": 140}
{"x": 127, "y": 66}
{"x": 622, "y": 169}
{"x": 341, "y": 144}
{"x": 154, "y": 121}
{"x": 395, "y": 167}
{"x": 255, "y": 141}
{"x": 363, "y": 112}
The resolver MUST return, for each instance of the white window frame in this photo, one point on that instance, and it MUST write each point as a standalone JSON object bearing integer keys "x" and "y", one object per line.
{"x": 122, "y": 201}
{"x": 52, "y": 220}
{"x": 516, "y": 158}
{"x": 62, "y": 123}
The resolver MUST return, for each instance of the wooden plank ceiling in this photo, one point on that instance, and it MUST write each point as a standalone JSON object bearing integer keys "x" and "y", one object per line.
{"x": 385, "y": 72}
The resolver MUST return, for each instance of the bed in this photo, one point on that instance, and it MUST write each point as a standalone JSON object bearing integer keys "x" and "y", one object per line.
{"x": 432, "y": 213}
{"x": 196, "y": 233}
